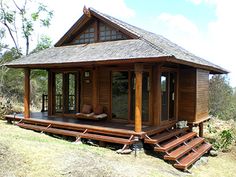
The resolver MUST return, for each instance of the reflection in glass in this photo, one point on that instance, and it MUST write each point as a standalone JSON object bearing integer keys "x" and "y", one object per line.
{"x": 120, "y": 88}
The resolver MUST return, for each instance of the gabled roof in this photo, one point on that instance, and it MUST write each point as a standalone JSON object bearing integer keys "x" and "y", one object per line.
{"x": 143, "y": 45}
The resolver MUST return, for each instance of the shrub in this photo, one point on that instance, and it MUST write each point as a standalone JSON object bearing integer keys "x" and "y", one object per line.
{"x": 224, "y": 140}
{"x": 5, "y": 107}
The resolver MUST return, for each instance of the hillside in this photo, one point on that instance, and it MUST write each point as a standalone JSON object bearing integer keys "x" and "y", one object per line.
{"x": 27, "y": 153}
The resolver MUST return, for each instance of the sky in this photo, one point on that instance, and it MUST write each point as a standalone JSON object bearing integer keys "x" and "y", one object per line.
{"x": 206, "y": 28}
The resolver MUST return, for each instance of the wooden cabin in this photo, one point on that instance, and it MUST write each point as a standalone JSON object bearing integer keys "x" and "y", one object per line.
{"x": 141, "y": 83}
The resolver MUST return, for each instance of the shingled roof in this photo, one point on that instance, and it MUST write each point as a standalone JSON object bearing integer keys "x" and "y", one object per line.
{"x": 145, "y": 45}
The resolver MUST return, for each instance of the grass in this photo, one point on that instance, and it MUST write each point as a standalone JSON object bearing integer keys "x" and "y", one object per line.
{"x": 27, "y": 153}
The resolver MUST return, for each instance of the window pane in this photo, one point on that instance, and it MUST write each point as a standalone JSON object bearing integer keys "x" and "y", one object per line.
{"x": 108, "y": 33}
{"x": 91, "y": 35}
{"x": 91, "y": 30}
{"x": 113, "y": 32}
{"x": 81, "y": 36}
{"x": 102, "y": 34}
{"x": 113, "y": 37}
{"x": 108, "y": 37}
{"x": 102, "y": 28}
{"x": 91, "y": 40}
{"x": 86, "y": 35}
{"x": 102, "y": 38}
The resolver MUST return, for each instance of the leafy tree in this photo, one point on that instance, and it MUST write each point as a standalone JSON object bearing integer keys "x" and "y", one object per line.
{"x": 221, "y": 101}
{"x": 19, "y": 21}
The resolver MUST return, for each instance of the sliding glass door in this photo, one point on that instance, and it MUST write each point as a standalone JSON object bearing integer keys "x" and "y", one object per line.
{"x": 123, "y": 96}
{"x": 120, "y": 89}
{"x": 168, "y": 96}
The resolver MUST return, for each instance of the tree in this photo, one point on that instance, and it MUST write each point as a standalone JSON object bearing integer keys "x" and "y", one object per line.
{"x": 221, "y": 101}
{"x": 19, "y": 21}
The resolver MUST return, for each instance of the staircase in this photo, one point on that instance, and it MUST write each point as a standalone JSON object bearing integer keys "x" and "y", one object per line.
{"x": 180, "y": 146}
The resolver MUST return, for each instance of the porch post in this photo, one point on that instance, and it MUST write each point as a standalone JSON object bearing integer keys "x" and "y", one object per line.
{"x": 201, "y": 129}
{"x": 138, "y": 96}
{"x": 50, "y": 90}
{"x": 27, "y": 93}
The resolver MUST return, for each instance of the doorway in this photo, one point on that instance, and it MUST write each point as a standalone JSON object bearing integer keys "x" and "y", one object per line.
{"x": 66, "y": 92}
{"x": 168, "y": 96}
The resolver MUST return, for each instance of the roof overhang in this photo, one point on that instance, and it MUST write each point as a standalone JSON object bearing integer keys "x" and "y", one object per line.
{"x": 166, "y": 59}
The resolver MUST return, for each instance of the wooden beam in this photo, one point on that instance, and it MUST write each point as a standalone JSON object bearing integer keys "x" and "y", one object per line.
{"x": 201, "y": 129}
{"x": 138, "y": 96}
{"x": 27, "y": 93}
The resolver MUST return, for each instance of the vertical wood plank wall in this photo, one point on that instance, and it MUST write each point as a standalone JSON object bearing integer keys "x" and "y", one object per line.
{"x": 187, "y": 94}
{"x": 86, "y": 88}
{"x": 202, "y": 94}
{"x": 104, "y": 89}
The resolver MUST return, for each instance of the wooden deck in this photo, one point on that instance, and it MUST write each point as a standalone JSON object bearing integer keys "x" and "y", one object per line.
{"x": 71, "y": 123}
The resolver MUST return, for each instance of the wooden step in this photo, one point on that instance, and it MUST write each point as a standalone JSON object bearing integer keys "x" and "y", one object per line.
{"x": 164, "y": 136}
{"x": 179, "y": 152}
{"x": 185, "y": 162}
{"x": 160, "y": 129}
{"x": 175, "y": 142}
{"x": 109, "y": 139}
{"x": 105, "y": 138}
{"x": 50, "y": 130}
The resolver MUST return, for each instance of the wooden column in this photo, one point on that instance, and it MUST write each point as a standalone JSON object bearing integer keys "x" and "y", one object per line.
{"x": 50, "y": 93}
{"x": 138, "y": 96}
{"x": 27, "y": 93}
{"x": 201, "y": 129}
{"x": 95, "y": 87}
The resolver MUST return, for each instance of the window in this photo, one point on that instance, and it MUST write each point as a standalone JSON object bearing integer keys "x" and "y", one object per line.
{"x": 109, "y": 34}
{"x": 86, "y": 36}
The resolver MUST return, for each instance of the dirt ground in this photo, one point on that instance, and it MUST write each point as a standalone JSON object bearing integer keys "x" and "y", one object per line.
{"x": 27, "y": 153}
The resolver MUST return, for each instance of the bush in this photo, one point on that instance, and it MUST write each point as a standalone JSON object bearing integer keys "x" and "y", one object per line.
{"x": 224, "y": 140}
{"x": 5, "y": 107}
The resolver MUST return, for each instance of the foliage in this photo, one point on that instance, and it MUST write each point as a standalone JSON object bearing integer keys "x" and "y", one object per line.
{"x": 222, "y": 102}
{"x": 20, "y": 21}
{"x": 44, "y": 43}
{"x": 5, "y": 107}
{"x": 224, "y": 140}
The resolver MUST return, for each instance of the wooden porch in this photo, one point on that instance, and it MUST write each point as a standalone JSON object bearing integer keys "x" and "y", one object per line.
{"x": 106, "y": 127}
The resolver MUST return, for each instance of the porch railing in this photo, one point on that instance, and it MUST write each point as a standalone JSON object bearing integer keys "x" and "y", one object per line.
{"x": 59, "y": 103}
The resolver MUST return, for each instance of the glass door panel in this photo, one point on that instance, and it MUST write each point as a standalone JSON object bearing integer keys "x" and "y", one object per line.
{"x": 168, "y": 89}
{"x": 145, "y": 96}
{"x": 58, "y": 93}
{"x": 164, "y": 96}
{"x": 120, "y": 86}
{"x": 72, "y": 93}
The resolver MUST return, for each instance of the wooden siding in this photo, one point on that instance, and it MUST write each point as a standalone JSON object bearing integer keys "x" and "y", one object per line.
{"x": 187, "y": 94}
{"x": 202, "y": 94}
{"x": 104, "y": 89}
{"x": 86, "y": 88}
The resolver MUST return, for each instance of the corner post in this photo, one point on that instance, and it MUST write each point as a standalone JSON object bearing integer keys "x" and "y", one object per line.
{"x": 201, "y": 129}
{"x": 27, "y": 93}
{"x": 138, "y": 96}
